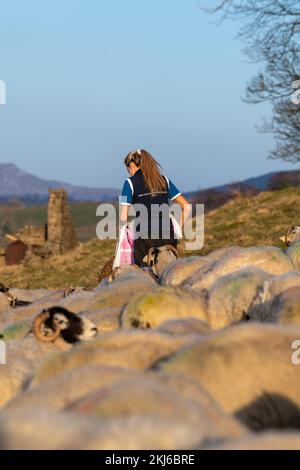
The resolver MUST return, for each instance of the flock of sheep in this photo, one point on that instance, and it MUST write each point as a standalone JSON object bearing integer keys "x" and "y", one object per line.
{"x": 191, "y": 353}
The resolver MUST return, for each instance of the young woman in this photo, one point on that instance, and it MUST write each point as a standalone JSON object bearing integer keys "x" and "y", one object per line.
{"x": 147, "y": 186}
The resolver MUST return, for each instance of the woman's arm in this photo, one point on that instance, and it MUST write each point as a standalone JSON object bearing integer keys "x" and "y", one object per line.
{"x": 124, "y": 214}
{"x": 186, "y": 209}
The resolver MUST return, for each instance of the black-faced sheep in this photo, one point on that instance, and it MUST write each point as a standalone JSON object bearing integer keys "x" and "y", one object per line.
{"x": 158, "y": 259}
{"x": 58, "y": 321}
{"x": 12, "y": 298}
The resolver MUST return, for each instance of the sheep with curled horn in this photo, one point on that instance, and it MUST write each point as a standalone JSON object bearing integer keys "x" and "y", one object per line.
{"x": 158, "y": 259}
{"x": 58, "y": 321}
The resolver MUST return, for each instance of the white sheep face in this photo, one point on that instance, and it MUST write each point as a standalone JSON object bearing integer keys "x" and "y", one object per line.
{"x": 89, "y": 330}
{"x": 292, "y": 235}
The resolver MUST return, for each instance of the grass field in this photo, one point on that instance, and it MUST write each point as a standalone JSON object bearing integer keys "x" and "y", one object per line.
{"x": 244, "y": 221}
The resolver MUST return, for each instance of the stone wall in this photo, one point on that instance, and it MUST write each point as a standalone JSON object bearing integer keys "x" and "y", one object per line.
{"x": 61, "y": 232}
{"x": 31, "y": 235}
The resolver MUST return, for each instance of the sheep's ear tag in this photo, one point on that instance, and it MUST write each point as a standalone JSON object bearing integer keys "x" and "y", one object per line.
{"x": 282, "y": 239}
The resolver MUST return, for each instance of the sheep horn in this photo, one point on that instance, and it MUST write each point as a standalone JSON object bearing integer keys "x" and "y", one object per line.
{"x": 170, "y": 248}
{"x": 37, "y": 324}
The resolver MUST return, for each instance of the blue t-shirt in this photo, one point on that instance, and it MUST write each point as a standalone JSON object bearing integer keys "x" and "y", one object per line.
{"x": 127, "y": 192}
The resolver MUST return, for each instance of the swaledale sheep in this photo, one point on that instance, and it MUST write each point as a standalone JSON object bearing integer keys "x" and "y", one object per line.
{"x": 240, "y": 366}
{"x": 292, "y": 240}
{"x": 14, "y": 322}
{"x": 262, "y": 307}
{"x": 75, "y": 386}
{"x": 28, "y": 296}
{"x": 49, "y": 324}
{"x": 292, "y": 235}
{"x": 23, "y": 357}
{"x": 269, "y": 259}
{"x": 158, "y": 259}
{"x": 178, "y": 271}
{"x": 232, "y": 295}
{"x": 109, "y": 273}
{"x": 293, "y": 252}
{"x": 24, "y": 352}
{"x": 30, "y": 301}
{"x": 13, "y": 315}
{"x": 140, "y": 395}
{"x": 158, "y": 362}
{"x": 68, "y": 387}
{"x": 5, "y": 305}
{"x": 24, "y": 297}
{"x": 186, "y": 326}
{"x": 182, "y": 269}
{"x": 115, "y": 295}
{"x": 127, "y": 270}
{"x": 14, "y": 376}
{"x": 282, "y": 309}
{"x": 87, "y": 385}
{"x": 131, "y": 349}
{"x": 21, "y": 430}
{"x": 167, "y": 303}
{"x": 58, "y": 321}
{"x": 148, "y": 396}
{"x": 11, "y": 299}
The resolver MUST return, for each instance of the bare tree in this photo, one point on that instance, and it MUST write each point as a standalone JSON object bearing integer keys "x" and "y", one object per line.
{"x": 271, "y": 33}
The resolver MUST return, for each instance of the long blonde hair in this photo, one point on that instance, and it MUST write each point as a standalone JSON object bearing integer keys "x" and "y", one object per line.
{"x": 150, "y": 169}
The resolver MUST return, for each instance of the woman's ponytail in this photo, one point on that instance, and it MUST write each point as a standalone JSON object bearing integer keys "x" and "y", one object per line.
{"x": 150, "y": 169}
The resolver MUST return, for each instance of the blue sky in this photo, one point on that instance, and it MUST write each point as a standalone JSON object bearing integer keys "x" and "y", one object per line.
{"x": 89, "y": 80}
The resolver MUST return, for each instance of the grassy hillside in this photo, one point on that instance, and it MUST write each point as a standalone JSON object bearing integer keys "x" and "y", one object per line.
{"x": 253, "y": 220}
{"x": 81, "y": 267}
{"x": 244, "y": 221}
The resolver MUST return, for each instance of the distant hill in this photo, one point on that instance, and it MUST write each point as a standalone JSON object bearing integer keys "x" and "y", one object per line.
{"x": 258, "y": 182}
{"x": 30, "y": 189}
{"x": 218, "y": 195}
{"x": 17, "y": 183}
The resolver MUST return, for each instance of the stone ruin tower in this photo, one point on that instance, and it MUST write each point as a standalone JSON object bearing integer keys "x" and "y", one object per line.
{"x": 61, "y": 232}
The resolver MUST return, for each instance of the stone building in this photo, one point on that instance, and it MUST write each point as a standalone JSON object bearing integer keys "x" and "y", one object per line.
{"x": 55, "y": 238}
{"x": 61, "y": 231}
{"x": 31, "y": 235}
